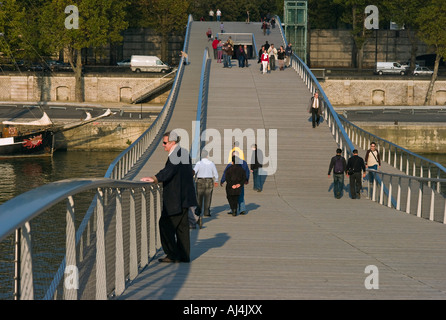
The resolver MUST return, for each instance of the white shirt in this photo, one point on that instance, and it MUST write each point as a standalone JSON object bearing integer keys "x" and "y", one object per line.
{"x": 205, "y": 168}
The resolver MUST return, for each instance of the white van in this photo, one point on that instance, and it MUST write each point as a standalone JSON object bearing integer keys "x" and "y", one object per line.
{"x": 390, "y": 68}
{"x": 148, "y": 64}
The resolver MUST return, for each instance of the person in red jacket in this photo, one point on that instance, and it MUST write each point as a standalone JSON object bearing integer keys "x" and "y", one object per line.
{"x": 264, "y": 58}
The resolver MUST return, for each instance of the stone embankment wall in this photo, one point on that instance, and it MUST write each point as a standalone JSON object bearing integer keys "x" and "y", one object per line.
{"x": 62, "y": 88}
{"x": 383, "y": 92}
{"x": 103, "y": 135}
{"x": 416, "y": 137}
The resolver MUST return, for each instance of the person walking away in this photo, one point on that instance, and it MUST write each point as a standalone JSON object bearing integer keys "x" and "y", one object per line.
{"x": 315, "y": 108}
{"x": 265, "y": 60}
{"x": 178, "y": 197}
{"x": 288, "y": 54}
{"x": 355, "y": 166}
{"x": 240, "y": 54}
{"x": 206, "y": 178}
{"x": 372, "y": 160}
{"x": 245, "y": 56}
{"x": 272, "y": 52}
{"x": 256, "y": 165}
{"x": 230, "y": 52}
{"x": 222, "y": 28}
{"x": 235, "y": 177}
{"x": 224, "y": 49}
{"x": 214, "y": 46}
{"x": 209, "y": 34}
{"x": 338, "y": 165}
{"x": 281, "y": 57}
{"x": 219, "y": 51}
{"x": 264, "y": 26}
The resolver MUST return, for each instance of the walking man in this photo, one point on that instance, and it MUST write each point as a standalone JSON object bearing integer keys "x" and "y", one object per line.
{"x": 355, "y": 166}
{"x": 315, "y": 108}
{"x": 338, "y": 165}
{"x": 178, "y": 197}
{"x": 206, "y": 178}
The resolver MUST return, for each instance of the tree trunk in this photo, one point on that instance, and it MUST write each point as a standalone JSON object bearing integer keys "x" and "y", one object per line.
{"x": 428, "y": 98}
{"x": 414, "y": 49}
{"x": 79, "y": 83}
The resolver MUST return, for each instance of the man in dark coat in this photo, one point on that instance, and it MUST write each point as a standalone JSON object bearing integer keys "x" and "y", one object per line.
{"x": 355, "y": 166}
{"x": 315, "y": 108}
{"x": 235, "y": 179}
{"x": 178, "y": 196}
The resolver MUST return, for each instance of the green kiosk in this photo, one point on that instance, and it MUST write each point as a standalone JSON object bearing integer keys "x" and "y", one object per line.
{"x": 295, "y": 26}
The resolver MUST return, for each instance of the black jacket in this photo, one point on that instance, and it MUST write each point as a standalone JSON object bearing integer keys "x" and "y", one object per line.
{"x": 178, "y": 183}
{"x": 356, "y": 163}
{"x": 235, "y": 174}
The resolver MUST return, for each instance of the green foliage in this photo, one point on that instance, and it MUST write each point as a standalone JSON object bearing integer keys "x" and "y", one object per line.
{"x": 432, "y": 21}
{"x": 11, "y": 19}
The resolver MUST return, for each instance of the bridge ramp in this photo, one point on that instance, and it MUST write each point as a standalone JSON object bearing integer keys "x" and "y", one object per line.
{"x": 296, "y": 241}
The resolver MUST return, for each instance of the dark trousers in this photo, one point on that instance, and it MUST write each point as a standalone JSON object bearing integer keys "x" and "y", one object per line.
{"x": 175, "y": 237}
{"x": 338, "y": 184}
{"x": 315, "y": 117}
{"x": 233, "y": 201}
{"x": 205, "y": 188}
{"x": 272, "y": 62}
{"x": 355, "y": 185}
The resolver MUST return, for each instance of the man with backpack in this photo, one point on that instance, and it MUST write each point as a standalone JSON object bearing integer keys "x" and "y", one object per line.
{"x": 338, "y": 164}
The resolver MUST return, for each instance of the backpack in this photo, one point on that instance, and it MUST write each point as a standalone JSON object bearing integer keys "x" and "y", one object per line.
{"x": 339, "y": 165}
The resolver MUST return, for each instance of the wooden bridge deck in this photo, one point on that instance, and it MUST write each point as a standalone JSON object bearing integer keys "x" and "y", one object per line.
{"x": 297, "y": 241}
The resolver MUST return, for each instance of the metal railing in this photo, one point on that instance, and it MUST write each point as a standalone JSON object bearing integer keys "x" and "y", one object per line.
{"x": 100, "y": 250}
{"x": 396, "y": 156}
{"x": 409, "y": 194}
{"x": 387, "y": 188}
{"x": 334, "y": 123}
{"x": 109, "y": 238}
{"x": 198, "y": 141}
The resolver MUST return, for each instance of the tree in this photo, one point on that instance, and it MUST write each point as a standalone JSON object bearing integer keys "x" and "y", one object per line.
{"x": 100, "y": 23}
{"x": 11, "y": 40}
{"x": 359, "y": 32}
{"x": 405, "y": 13}
{"x": 164, "y": 16}
{"x": 432, "y": 19}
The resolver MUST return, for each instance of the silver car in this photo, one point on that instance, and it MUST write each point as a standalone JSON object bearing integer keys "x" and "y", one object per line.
{"x": 422, "y": 71}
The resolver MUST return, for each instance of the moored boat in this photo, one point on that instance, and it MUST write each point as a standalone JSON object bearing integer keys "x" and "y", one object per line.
{"x": 36, "y": 138}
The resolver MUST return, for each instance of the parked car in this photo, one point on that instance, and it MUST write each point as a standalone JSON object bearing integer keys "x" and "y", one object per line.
{"x": 390, "y": 68}
{"x": 424, "y": 71}
{"x": 148, "y": 64}
{"x": 124, "y": 63}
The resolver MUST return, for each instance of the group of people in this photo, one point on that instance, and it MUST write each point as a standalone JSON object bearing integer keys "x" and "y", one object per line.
{"x": 268, "y": 24}
{"x": 355, "y": 169}
{"x": 268, "y": 55}
{"x": 223, "y": 52}
{"x": 212, "y": 13}
{"x": 187, "y": 192}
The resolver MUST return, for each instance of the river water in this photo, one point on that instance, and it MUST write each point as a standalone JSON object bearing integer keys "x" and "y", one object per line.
{"x": 23, "y": 174}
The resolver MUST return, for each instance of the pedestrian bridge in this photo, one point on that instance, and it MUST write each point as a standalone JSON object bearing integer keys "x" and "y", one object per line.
{"x": 297, "y": 241}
